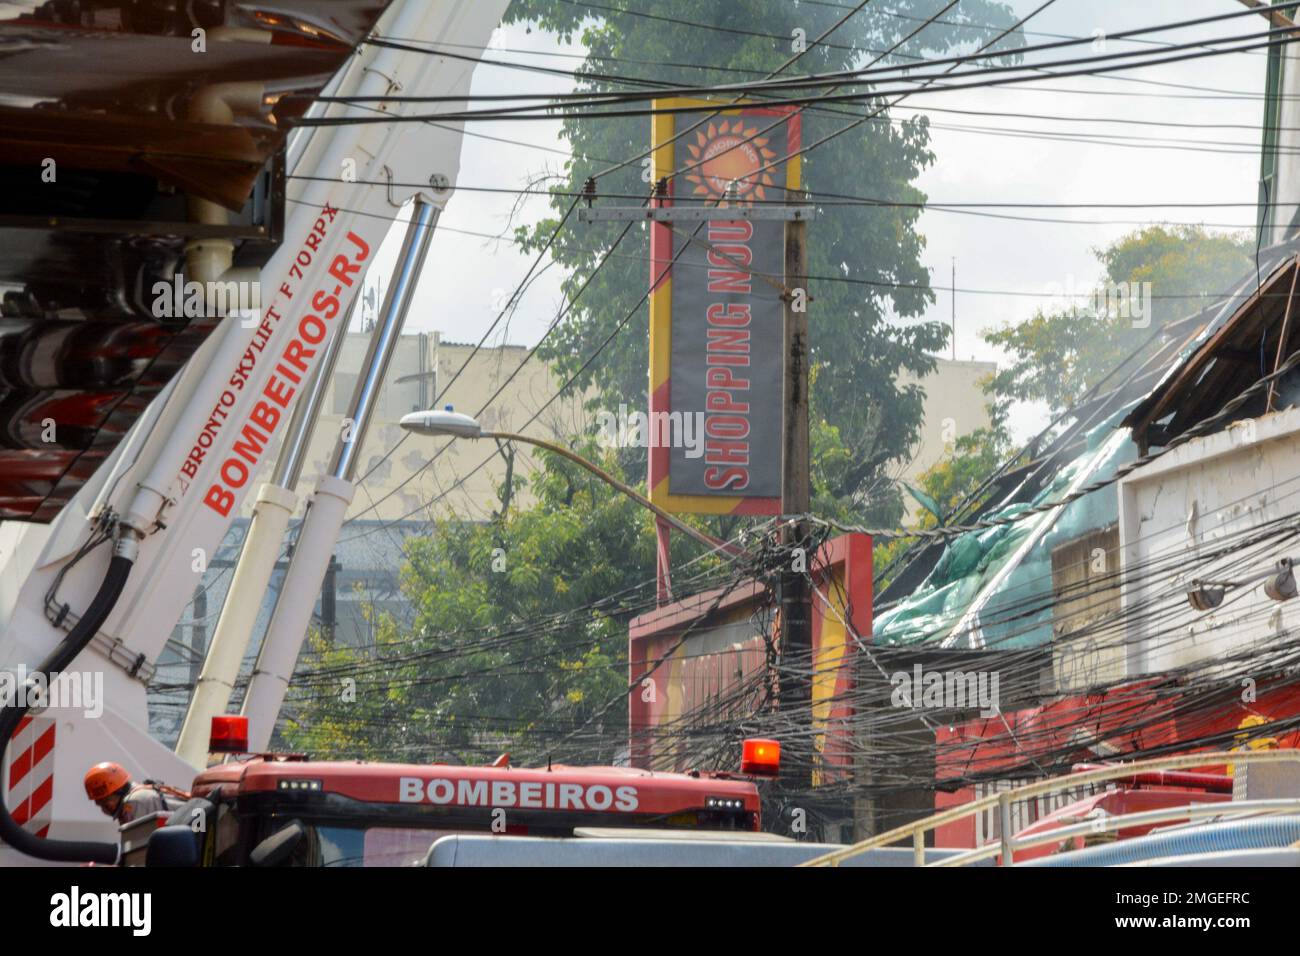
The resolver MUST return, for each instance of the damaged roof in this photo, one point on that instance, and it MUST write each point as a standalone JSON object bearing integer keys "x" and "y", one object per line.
{"x": 1250, "y": 334}
{"x": 995, "y": 585}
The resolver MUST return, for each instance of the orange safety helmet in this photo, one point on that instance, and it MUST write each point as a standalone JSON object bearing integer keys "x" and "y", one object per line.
{"x": 105, "y": 779}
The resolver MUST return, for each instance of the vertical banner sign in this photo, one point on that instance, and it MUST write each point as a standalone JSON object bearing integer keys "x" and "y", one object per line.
{"x": 716, "y": 336}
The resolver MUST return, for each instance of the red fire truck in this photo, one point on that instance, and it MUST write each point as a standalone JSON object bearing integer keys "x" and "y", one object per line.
{"x": 276, "y": 809}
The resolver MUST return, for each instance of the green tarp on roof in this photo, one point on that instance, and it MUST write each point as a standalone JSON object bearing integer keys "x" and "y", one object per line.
{"x": 1002, "y": 577}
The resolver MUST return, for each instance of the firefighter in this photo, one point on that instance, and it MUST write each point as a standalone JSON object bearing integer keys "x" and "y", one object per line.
{"x": 110, "y": 786}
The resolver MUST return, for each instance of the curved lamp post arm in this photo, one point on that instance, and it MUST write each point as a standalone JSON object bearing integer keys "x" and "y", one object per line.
{"x": 673, "y": 521}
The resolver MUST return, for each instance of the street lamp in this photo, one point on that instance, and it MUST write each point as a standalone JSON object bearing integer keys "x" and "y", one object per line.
{"x": 1279, "y": 585}
{"x": 448, "y": 423}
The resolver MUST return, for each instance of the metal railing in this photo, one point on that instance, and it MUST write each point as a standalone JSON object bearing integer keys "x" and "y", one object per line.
{"x": 1123, "y": 821}
{"x": 1009, "y": 843}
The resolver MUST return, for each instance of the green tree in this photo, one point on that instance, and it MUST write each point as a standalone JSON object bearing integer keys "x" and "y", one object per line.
{"x": 519, "y": 633}
{"x": 864, "y": 330}
{"x": 1059, "y": 355}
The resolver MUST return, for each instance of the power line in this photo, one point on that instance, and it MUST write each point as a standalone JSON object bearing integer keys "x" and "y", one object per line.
{"x": 972, "y": 25}
{"x": 838, "y": 200}
{"x": 844, "y": 129}
{"x": 678, "y": 134}
{"x": 699, "y": 727}
{"x": 928, "y": 85}
{"x": 554, "y": 324}
{"x": 509, "y": 306}
{"x": 993, "y": 76}
{"x": 592, "y": 358}
{"x": 1213, "y": 93}
{"x": 1200, "y": 428}
{"x": 894, "y": 284}
{"x": 934, "y": 19}
{"x": 622, "y": 324}
{"x": 1040, "y": 8}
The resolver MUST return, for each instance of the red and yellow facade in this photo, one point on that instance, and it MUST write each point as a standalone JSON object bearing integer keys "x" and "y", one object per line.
{"x": 705, "y": 661}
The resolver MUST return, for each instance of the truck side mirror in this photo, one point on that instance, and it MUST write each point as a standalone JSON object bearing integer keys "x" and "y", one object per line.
{"x": 174, "y": 845}
{"x": 276, "y": 848}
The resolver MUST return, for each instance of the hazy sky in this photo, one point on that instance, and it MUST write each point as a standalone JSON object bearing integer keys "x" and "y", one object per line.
{"x": 1144, "y": 164}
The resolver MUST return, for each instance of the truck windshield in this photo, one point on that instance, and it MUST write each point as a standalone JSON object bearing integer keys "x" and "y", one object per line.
{"x": 366, "y": 846}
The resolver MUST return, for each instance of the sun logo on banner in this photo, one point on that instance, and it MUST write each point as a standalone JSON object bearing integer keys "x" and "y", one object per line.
{"x": 731, "y": 152}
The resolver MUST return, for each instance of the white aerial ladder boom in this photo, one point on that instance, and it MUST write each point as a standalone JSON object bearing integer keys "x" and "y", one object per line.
{"x": 163, "y": 501}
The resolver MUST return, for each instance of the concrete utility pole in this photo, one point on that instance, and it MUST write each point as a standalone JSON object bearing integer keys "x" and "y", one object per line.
{"x": 796, "y": 499}
{"x": 796, "y": 483}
